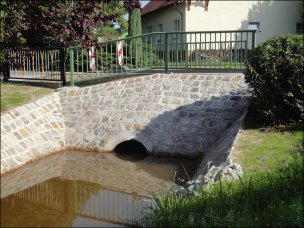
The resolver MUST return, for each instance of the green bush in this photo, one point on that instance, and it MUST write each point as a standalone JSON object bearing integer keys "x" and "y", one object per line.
{"x": 275, "y": 76}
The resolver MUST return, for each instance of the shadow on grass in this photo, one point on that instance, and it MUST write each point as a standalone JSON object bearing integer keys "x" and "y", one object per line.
{"x": 38, "y": 83}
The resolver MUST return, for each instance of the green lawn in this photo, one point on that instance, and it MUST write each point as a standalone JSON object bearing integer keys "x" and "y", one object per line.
{"x": 260, "y": 149}
{"x": 13, "y": 95}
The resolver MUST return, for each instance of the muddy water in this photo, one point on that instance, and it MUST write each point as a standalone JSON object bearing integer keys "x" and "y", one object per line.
{"x": 77, "y": 189}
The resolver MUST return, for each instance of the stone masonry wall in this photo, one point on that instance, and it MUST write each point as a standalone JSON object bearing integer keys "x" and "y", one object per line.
{"x": 177, "y": 114}
{"x": 31, "y": 131}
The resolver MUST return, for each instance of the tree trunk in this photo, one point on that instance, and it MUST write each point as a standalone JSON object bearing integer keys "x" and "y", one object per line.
{"x": 4, "y": 71}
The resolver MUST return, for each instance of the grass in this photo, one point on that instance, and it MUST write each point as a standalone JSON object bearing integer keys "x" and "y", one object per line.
{"x": 262, "y": 149}
{"x": 273, "y": 198}
{"x": 13, "y": 95}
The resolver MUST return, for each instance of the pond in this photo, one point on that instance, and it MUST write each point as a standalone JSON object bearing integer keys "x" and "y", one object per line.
{"x": 77, "y": 188}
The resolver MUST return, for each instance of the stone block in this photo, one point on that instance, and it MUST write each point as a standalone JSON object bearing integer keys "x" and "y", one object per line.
{"x": 166, "y": 100}
{"x": 194, "y": 96}
{"x": 71, "y": 93}
{"x": 226, "y": 78}
{"x": 140, "y": 107}
{"x": 176, "y": 101}
{"x": 185, "y": 88}
{"x": 194, "y": 90}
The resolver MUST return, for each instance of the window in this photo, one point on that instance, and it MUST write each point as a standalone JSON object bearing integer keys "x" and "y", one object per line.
{"x": 254, "y": 26}
{"x": 160, "y": 29}
{"x": 300, "y": 28}
{"x": 149, "y": 38}
{"x": 176, "y": 28}
{"x": 149, "y": 29}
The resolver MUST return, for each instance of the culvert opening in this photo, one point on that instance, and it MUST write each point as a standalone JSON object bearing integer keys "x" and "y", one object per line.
{"x": 131, "y": 150}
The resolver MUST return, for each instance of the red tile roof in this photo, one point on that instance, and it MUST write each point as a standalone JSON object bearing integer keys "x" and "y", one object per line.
{"x": 154, "y": 5}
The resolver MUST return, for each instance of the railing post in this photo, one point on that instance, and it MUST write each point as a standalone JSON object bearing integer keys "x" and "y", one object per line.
{"x": 166, "y": 53}
{"x": 253, "y": 41}
{"x": 246, "y": 51}
{"x": 187, "y": 53}
{"x": 62, "y": 66}
{"x": 72, "y": 66}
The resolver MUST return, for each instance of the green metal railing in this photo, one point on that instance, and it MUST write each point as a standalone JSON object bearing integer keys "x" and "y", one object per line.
{"x": 164, "y": 51}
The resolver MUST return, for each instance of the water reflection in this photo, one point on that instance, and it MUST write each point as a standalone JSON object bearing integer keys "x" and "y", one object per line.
{"x": 71, "y": 203}
{"x": 85, "y": 189}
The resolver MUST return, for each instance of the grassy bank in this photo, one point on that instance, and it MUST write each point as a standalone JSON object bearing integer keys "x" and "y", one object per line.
{"x": 265, "y": 148}
{"x": 273, "y": 198}
{"x": 13, "y": 94}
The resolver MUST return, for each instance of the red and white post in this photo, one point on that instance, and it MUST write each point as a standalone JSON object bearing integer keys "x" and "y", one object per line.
{"x": 92, "y": 58}
{"x": 120, "y": 52}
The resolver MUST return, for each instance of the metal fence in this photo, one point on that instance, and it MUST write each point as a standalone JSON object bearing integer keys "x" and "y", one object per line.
{"x": 139, "y": 54}
{"x": 37, "y": 64}
{"x": 164, "y": 50}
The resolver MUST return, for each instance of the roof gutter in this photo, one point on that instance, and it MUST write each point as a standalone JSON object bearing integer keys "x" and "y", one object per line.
{"x": 181, "y": 14}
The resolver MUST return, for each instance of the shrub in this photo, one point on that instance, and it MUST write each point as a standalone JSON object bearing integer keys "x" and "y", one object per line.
{"x": 275, "y": 77}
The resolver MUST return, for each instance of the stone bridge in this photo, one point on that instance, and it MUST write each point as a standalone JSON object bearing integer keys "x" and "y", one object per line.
{"x": 170, "y": 114}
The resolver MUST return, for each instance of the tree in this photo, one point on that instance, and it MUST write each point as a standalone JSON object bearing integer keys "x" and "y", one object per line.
{"x": 11, "y": 23}
{"x": 134, "y": 29}
{"x": 59, "y": 23}
{"x": 107, "y": 31}
{"x": 10, "y": 27}
{"x": 41, "y": 22}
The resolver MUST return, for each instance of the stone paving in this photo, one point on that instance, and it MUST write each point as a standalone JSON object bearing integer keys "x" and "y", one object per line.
{"x": 175, "y": 114}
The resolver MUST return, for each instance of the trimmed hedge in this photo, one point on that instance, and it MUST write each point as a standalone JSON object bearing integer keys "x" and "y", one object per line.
{"x": 275, "y": 77}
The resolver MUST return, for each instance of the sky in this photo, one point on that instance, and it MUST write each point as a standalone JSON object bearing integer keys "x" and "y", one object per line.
{"x": 143, "y": 3}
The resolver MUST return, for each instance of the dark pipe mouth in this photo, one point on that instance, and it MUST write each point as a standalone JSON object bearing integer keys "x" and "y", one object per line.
{"x": 131, "y": 150}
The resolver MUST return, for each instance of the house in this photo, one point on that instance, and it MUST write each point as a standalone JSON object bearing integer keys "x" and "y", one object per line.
{"x": 269, "y": 18}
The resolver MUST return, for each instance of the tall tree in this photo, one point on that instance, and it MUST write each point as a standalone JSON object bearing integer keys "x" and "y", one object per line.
{"x": 133, "y": 7}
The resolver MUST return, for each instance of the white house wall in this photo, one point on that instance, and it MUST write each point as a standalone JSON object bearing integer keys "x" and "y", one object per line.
{"x": 165, "y": 16}
{"x": 275, "y": 17}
